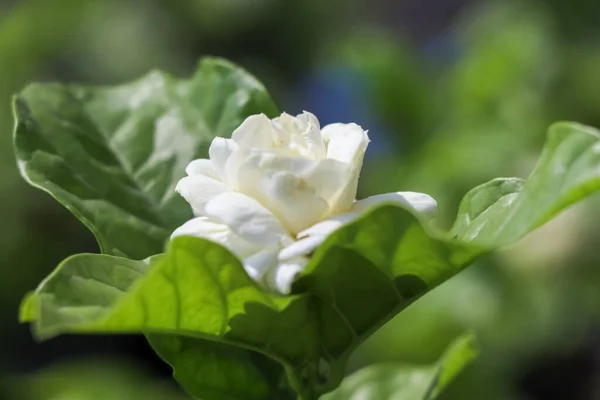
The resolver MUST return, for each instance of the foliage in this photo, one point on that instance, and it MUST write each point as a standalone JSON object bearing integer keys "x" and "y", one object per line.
{"x": 112, "y": 156}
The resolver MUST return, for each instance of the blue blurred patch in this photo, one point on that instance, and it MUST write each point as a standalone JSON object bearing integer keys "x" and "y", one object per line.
{"x": 343, "y": 94}
{"x": 442, "y": 50}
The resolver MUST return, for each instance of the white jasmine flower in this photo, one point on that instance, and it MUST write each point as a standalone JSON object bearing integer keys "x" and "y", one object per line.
{"x": 273, "y": 192}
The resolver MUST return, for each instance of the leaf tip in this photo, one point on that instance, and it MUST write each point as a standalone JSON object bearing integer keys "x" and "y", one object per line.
{"x": 561, "y": 128}
{"x": 214, "y": 61}
{"x": 28, "y": 308}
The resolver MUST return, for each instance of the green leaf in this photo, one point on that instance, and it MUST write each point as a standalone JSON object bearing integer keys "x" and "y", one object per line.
{"x": 504, "y": 210}
{"x": 370, "y": 270}
{"x": 210, "y": 370}
{"x": 113, "y": 155}
{"x": 200, "y": 290}
{"x": 408, "y": 382}
{"x": 27, "y": 311}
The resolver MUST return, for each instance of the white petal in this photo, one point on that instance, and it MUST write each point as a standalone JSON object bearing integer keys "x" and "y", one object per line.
{"x": 261, "y": 161}
{"x": 302, "y": 247}
{"x": 329, "y": 225}
{"x": 202, "y": 166}
{"x": 346, "y": 143}
{"x": 313, "y": 141}
{"x": 246, "y": 217}
{"x": 233, "y": 167}
{"x": 292, "y": 200}
{"x": 283, "y": 128}
{"x": 285, "y": 125}
{"x": 278, "y": 183}
{"x": 346, "y": 198}
{"x": 255, "y": 131}
{"x": 220, "y": 151}
{"x": 329, "y": 179}
{"x": 282, "y": 276}
{"x": 203, "y": 227}
{"x": 421, "y": 203}
{"x": 312, "y": 237}
{"x": 260, "y": 262}
{"x": 310, "y": 121}
{"x": 199, "y": 189}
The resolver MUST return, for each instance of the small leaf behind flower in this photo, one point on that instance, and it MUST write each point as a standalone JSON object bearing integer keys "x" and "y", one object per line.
{"x": 113, "y": 155}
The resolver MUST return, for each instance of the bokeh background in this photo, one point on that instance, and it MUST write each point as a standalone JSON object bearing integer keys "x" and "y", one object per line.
{"x": 453, "y": 92}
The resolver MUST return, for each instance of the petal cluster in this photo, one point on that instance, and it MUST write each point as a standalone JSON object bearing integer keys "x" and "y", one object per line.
{"x": 274, "y": 191}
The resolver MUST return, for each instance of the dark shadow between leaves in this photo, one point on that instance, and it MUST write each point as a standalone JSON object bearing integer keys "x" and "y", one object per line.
{"x": 410, "y": 286}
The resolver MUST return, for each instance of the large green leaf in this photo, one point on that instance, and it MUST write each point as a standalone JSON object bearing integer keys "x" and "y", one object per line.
{"x": 112, "y": 155}
{"x": 201, "y": 291}
{"x": 399, "y": 381}
{"x": 198, "y": 289}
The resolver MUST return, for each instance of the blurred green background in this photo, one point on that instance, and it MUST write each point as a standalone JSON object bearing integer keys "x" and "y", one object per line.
{"x": 453, "y": 93}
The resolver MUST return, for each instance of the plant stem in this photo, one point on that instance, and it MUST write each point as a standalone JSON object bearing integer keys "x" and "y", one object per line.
{"x": 304, "y": 392}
